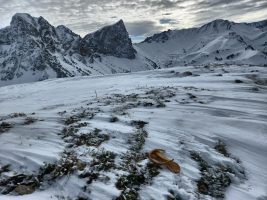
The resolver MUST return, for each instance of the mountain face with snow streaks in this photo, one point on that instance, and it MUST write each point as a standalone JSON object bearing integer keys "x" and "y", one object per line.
{"x": 31, "y": 49}
{"x": 218, "y": 42}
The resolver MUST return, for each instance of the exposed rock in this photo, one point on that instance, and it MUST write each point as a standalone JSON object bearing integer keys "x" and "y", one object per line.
{"x": 111, "y": 40}
{"x": 24, "y": 189}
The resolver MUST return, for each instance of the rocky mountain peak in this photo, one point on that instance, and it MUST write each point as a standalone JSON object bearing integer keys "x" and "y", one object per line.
{"x": 23, "y": 23}
{"x": 159, "y": 37}
{"x": 23, "y": 18}
{"x": 261, "y": 25}
{"x": 217, "y": 25}
{"x": 111, "y": 40}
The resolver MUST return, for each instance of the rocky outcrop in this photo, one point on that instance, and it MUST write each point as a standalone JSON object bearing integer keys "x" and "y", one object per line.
{"x": 111, "y": 40}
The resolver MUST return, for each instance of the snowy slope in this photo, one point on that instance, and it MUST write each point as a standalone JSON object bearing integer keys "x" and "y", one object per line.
{"x": 97, "y": 130}
{"x": 219, "y": 41}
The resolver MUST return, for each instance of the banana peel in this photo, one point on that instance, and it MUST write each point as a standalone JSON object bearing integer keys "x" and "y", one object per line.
{"x": 157, "y": 156}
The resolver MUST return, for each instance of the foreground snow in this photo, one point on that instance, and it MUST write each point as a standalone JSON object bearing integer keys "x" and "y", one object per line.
{"x": 184, "y": 114}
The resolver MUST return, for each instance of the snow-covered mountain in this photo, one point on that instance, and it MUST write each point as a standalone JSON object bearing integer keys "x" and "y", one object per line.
{"x": 31, "y": 49}
{"x": 220, "y": 41}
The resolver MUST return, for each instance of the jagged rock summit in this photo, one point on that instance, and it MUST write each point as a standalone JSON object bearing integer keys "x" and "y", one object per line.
{"x": 111, "y": 40}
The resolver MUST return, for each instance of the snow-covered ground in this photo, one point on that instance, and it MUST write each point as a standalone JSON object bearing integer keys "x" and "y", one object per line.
{"x": 96, "y": 130}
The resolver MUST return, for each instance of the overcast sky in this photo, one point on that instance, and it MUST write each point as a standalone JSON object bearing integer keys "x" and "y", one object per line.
{"x": 142, "y": 17}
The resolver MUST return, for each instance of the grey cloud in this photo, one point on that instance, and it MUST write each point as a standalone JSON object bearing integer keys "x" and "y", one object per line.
{"x": 143, "y": 17}
{"x": 143, "y": 28}
{"x": 166, "y": 14}
{"x": 168, "y": 21}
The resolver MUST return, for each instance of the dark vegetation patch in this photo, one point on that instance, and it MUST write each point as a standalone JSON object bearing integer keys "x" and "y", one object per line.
{"x": 139, "y": 124}
{"x": 215, "y": 178}
{"x": 71, "y": 120}
{"x": 29, "y": 120}
{"x": 93, "y": 138}
{"x": 65, "y": 166}
{"x": 81, "y": 113}
{"x": 173, "y": 196}
{"x": 71, "y": 130}
{"x": 191, "y": 96}
{"x": 9, "y": 184}
{"x": 154, "y": 97}
{"x": 103, "y": 160}
{"x": 221, "y": 148}
{"x": 137, "y": 175}
{"x": 5, "y": 168}
{"x": 213, "y": 181}
{"x": 5, "y": 126}
{"x": 26, "y": 184}
{"x": 13, "y": 115}
{"x": 130, "y": 184}
{"x": 257, "y": 80}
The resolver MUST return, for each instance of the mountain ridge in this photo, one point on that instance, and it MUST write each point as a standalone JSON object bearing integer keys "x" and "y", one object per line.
{"x": 217, "y": 42}
{"x": 31, "y": 49}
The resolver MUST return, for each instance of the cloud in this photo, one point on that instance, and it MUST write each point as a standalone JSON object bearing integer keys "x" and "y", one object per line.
{"x": 142, "y": 17}
{"x": 143, "y": 28}
{"x": 168, "y": 21}
{"x": 167, "y": 14}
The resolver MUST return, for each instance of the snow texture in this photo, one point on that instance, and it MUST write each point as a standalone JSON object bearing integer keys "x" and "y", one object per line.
{"x": 106, "y": 124}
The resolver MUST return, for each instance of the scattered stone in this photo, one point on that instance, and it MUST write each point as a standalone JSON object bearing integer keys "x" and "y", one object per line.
{"x": 191, "y": 96}
{"x": 5, "y": 126}
{"x": 186, "y": 73}
{"x": 238, "y": 81}
{"x": 24, "y": 189}
{"x": 114, "y": 119}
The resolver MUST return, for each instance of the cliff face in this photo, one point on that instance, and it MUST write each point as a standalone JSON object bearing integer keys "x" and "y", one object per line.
{"x": 111, "y": 40}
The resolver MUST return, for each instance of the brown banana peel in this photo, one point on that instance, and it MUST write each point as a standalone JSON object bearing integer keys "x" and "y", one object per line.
{"x": 157, "y": 156}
